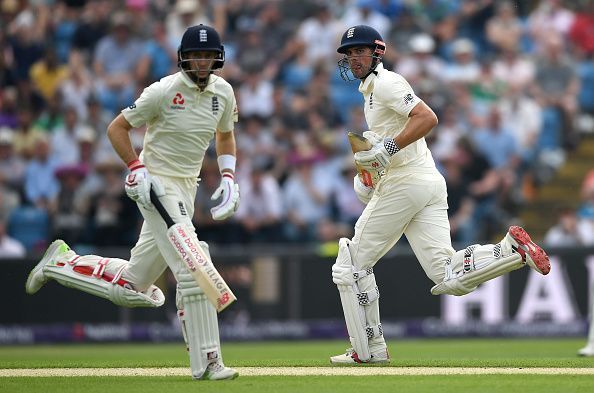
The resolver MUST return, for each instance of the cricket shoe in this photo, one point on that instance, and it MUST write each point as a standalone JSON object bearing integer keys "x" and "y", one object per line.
{"x": 588, "y": 350}
{"x": 36, "y": 278}
{"x": 217, "y": 371}
{"x": 351, "y": 357}
{"x": 531, "y": 253}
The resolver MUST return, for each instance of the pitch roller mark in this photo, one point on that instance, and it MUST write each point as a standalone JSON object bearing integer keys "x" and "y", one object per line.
{"x": 290, "y": 371}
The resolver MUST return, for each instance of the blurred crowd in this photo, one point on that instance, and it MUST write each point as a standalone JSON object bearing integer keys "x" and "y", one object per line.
{"x": 512, "y": 83}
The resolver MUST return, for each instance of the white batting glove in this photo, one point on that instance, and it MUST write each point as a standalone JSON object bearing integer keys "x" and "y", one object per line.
{"x": 229, "y": 191}
{"x": 139, "y": 183}
{"x": 377, "y": 158}
{"x": 372, "y": 137}
{"x": 363, "y": 192}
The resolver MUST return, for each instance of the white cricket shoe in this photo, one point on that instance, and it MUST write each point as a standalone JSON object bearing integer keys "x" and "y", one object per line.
{"x": 531, "y": 253}
{"x": 351, "y": 357}
{"x": 217, "y": 371}
{"x": 588, "y": 350}
{"x": 36, "y": 278}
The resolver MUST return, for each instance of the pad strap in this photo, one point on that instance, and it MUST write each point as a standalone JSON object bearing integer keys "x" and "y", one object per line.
{"x": 362, "y": 273}
{"x": 366, "y": 298}
{"x": 374, "y": 331}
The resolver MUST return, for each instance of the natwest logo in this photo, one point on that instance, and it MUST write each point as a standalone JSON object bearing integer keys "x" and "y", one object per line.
{"x": 178, "y": 102}
{"x": 178, "y": 99}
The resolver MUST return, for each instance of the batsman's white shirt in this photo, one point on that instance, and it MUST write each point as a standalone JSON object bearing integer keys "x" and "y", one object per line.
{"x": 411, "y": 198}
{"x": 181, "y": 120}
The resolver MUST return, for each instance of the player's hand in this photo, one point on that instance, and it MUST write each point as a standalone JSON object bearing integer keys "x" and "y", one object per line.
{"x": 363, "y": 192}
{"x": 372, "y": 137}
{"x": 377, "y": 158}
{"x": 138, "y": 185}
{"x": 228, "y": 191}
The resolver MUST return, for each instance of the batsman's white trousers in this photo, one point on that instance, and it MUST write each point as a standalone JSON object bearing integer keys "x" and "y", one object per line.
{"x": 414, "y": 205}
{"x": 153, "y": 253}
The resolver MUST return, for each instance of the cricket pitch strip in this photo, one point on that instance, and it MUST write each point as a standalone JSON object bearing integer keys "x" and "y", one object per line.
{"x": 291, "y": 371}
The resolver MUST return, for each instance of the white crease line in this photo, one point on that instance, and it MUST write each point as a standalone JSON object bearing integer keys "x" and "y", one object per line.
{"x": 291, "y": 371}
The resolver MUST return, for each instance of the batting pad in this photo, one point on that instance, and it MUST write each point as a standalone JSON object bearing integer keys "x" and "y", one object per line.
{"x": 354, "y": 302}
{"x": 199, "y": 323}
{"x": 476, "y": 264}
{"x": 101, "y": 277}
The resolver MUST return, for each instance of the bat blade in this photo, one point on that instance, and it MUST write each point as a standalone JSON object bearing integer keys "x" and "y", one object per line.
{"x": 200, "y": 267}
{"x": 360, "y": 143}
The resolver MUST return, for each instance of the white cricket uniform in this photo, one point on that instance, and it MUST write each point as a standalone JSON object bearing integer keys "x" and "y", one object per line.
{"x": 181, "y": 121}
{"x": 411, "y": 198}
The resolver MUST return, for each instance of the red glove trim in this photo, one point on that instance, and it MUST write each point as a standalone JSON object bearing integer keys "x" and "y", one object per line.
{"x": 135, "y": 164}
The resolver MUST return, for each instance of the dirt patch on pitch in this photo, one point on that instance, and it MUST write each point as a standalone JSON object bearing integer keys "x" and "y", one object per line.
{"x": 290, "y": 371}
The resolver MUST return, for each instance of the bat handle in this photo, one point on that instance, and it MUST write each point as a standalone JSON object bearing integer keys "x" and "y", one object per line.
{"x": 161, "y": 209}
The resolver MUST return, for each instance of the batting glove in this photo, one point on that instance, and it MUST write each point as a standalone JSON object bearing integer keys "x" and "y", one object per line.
{"x": 363, "y": 192}
{"x": 138, "y": 185}
{"x": 228, "y": 191}
{"x": 377, "y": 158}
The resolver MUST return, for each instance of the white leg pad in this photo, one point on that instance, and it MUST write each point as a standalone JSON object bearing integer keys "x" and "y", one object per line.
{"x": 355, "y": 302}
{"x": 199, "y": 322}
{"x": 101, "y": 277}
{"x": 476, "y": 264}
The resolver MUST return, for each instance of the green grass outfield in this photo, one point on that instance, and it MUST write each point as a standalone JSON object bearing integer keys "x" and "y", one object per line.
{"x": 539, "y": 365}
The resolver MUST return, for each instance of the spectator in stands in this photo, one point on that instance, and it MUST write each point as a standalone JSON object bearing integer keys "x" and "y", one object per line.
{"x": 63, "y": 140}
{"x": 9, "y": 247}
{"x": 47, "y": 75}
{"x": 421, "y": 64}
{"x": 581, "y": 32}
{"x": 504, "y": 29}
{"x": 115, "y": 61}
{"x": 569, "y": 231}
{"x": 363, "y": 13}
{"x": 8, "y": 106}
{"x": 464, "y": 68}
{"x": 550, "y": 17}
{"x": 41, "y": 185}
{"x": 72, "y": 204}
{"x": 305, "y": 194}
{"x": 12, "y": 166}
{"x": 113, "y": 218}
{"x": 318, "y": 34}
{"x": 93, "y": 26}
{"x": 159, "y": 58}
{"x": 556, "y": 90}
{"x": 26, "y": 135}
{"x": 77, "y": 88}
{"x": 260, "y": 212}
{"x": 185, "y": 13}
{"x": 513, "y": 69}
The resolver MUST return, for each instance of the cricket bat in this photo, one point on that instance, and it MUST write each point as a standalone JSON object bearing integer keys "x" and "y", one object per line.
{"x": 360, "y": 143}
{"x": 197, "y": 261}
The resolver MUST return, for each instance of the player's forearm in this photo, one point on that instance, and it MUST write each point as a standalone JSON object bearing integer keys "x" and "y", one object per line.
{"x": 118, "y": 134}
{"x": 420, "y": 123}
{"x": 225, "y": 146}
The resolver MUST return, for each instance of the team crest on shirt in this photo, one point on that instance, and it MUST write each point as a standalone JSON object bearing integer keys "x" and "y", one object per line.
{"x": 178, "y": 102}
{"x": 215, "y": 105}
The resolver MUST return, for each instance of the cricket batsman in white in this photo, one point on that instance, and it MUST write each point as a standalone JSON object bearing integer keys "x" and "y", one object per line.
{"x": 407, "y": 196}
{"x": 183, "y": 112}
{"x": 588, "y": 350}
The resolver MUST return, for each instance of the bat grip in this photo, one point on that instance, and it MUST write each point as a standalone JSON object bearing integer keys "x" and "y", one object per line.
{"x": 161, "y": 209}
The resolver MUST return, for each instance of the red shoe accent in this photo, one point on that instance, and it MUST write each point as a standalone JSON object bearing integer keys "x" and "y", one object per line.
{"x": 356, "y": 357}
{"x": 526, "y": 246}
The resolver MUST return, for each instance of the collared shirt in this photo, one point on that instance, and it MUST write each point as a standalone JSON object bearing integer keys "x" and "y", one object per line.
{"x": 388, "y": 101}
{"x": 181, "y": 120}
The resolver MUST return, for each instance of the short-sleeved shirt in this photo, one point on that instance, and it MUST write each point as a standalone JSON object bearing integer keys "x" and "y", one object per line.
{"x": 181, "y": 121}
{"x": 389, "y": 98}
